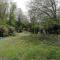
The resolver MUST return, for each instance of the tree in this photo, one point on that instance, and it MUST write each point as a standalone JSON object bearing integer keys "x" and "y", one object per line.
{"x": 3, "y": 11}
{"x": 19, "y": 19}
{"x": 45, "y": 8}
{"x": 12, "y": 14}
{"x": 34, "y": 19}
{"x": 43, "y": 11}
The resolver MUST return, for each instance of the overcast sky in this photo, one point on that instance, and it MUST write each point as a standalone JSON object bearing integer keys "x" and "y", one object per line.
{"x": 22, "y": 4}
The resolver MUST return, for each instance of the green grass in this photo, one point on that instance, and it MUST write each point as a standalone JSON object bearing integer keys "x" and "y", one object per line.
{"x": 24, "y": 46}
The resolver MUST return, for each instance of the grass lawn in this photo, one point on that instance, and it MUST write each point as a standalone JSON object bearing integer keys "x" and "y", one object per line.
{"x": 25, "y": 47}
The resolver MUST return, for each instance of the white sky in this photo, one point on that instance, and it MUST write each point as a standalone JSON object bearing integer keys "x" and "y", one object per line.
{"x": 22, "y": 4}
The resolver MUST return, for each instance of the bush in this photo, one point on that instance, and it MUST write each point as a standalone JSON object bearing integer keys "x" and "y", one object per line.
{"x": 11, "y": 31}
{"x": 19, "y": 29}
{"x": 54, "y": 29}
{"x": 3, "y": 31}
{"x": 6, "y": 31}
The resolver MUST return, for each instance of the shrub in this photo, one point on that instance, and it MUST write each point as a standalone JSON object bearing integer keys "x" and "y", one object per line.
{"x": 19, "y": 29}
{"x": 11, "y": 31}
{"x": 3, "y": 31}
